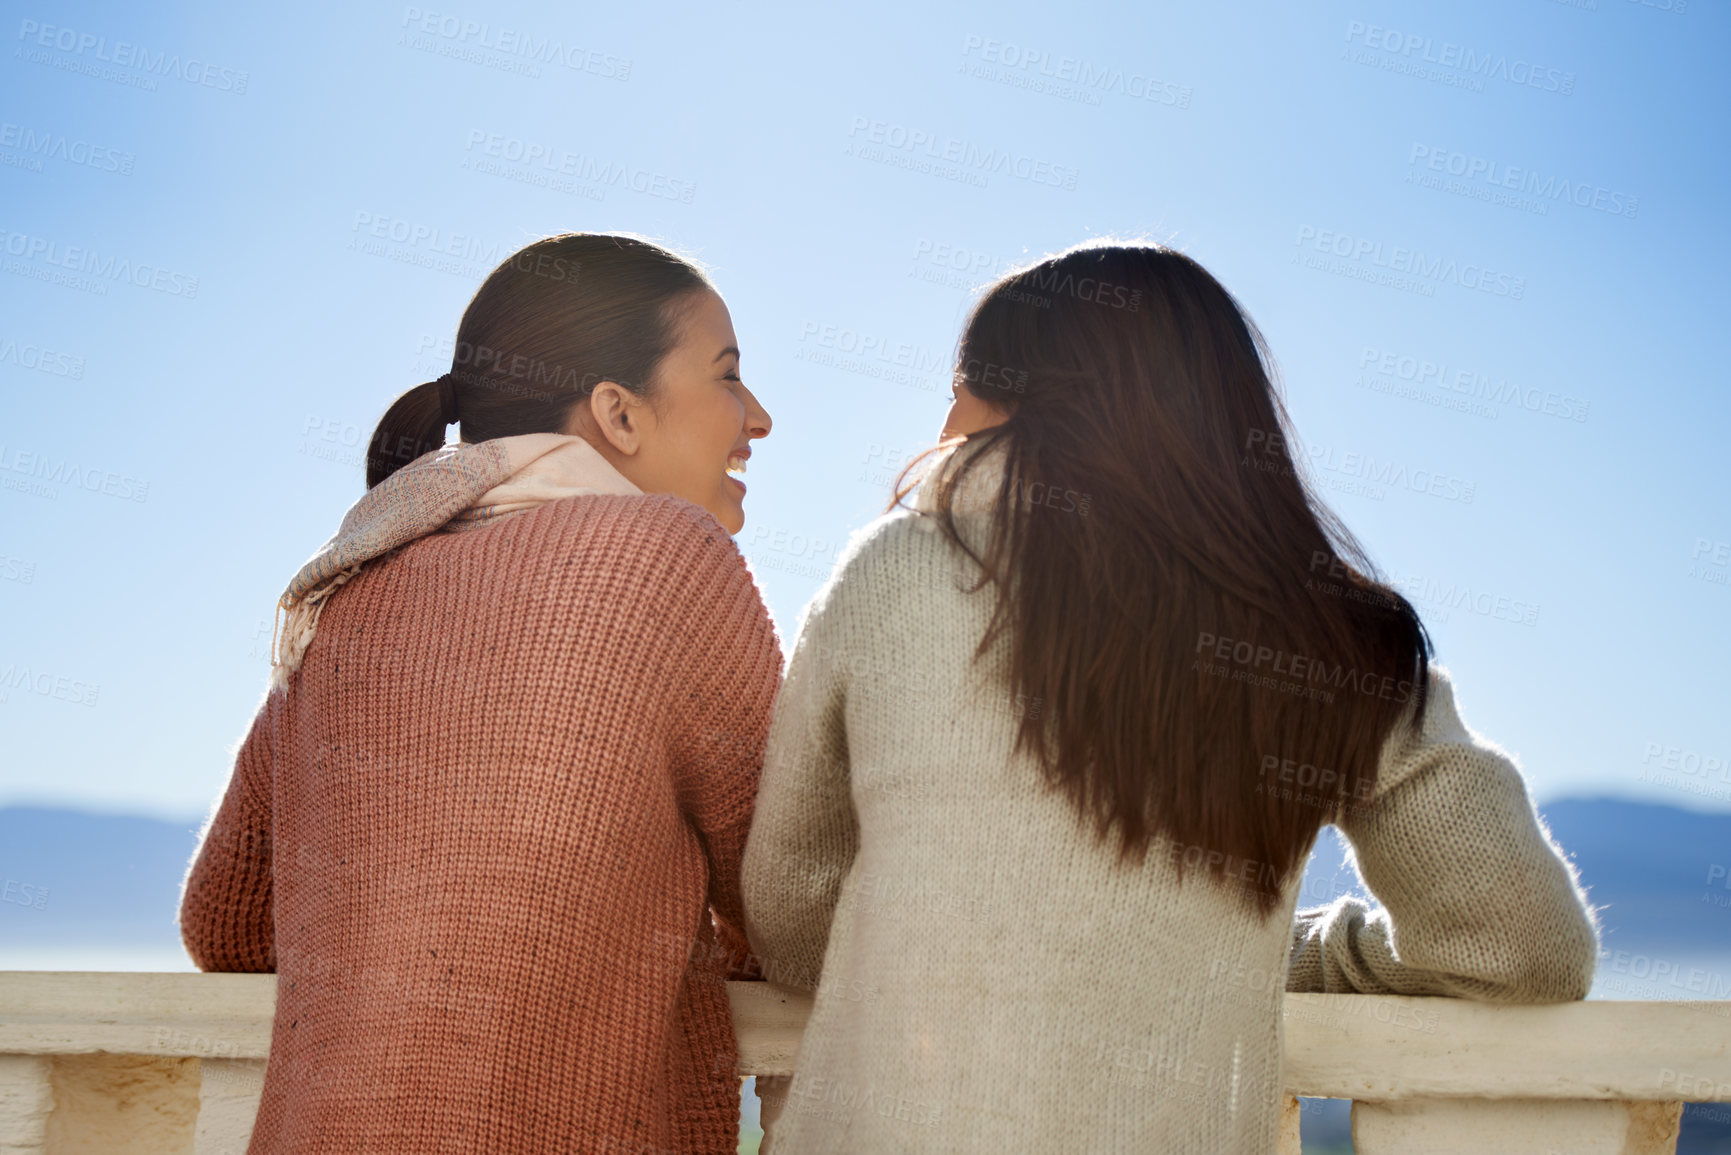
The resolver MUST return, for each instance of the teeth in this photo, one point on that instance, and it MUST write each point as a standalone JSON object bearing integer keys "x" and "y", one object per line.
{"x": 736, "y": 464}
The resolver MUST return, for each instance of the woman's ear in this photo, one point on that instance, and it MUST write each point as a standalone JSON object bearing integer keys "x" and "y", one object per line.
{"x": 618, "y": 416}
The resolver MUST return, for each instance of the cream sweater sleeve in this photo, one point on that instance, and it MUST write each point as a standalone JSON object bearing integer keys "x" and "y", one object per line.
{"x": 804, "y": 832}
{"x": 1475, "y": 899}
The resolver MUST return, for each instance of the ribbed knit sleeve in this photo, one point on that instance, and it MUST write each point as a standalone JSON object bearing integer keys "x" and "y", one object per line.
{"x": 1476, "y": 901}
{"x": 805, "y": 833}
{"x": 724, "y": 671}
{"x": 226, "y": 911}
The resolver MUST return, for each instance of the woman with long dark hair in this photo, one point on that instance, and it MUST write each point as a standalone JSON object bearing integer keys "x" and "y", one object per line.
{"x": 1054, "y": 745}
{"x": 487, "y": 823}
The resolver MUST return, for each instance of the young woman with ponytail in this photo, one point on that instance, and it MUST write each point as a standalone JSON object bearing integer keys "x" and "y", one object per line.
{"x": 486, "y": 825}
{"x": 1054, "y": 745}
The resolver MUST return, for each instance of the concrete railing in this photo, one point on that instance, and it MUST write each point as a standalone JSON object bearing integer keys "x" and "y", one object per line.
{"x": 131, "y": 1064}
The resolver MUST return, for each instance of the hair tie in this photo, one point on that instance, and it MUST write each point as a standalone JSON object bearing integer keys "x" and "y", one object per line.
{"x": 448, "y": 398}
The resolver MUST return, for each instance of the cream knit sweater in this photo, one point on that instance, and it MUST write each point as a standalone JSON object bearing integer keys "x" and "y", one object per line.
{"x": 994, "y": 981}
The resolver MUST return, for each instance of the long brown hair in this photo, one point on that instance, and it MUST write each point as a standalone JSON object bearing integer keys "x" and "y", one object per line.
{"x": 1218, "y": 662}
{"x": 555, "y": 319}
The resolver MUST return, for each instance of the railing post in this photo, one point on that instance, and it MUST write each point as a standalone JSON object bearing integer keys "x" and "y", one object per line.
{"x": 1291, "y": 1112}
{"x": 26, "y": 1101}
{"x": 771, "y": 1099}
{"x": 123, "y": 1104}
{"x": 228, "y": 1095}
{"x": 1526, "y": 1126}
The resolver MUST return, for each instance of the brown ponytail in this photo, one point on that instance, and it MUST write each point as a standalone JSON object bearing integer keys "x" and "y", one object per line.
{"x": 412, "y": 426}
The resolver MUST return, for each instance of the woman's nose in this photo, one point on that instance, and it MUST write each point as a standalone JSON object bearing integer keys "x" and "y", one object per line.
{"x": 757, "y": 421}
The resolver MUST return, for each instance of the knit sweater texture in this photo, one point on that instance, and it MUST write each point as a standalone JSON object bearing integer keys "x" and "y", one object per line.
{"x": 989, "y": 978}
{"x": 480, "y": 834}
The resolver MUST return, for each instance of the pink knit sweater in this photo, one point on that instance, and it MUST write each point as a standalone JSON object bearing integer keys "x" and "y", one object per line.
{"x": 479, "y": 835}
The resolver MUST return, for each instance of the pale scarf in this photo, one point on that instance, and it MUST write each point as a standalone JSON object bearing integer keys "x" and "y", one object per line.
{"x": 467, "y": 486}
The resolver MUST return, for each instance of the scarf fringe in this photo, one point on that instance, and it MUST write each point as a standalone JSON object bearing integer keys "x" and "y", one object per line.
{"x": 303, "y": 620}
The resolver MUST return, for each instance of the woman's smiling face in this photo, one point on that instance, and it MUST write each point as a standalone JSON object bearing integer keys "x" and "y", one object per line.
{"x": 696, "y": 429}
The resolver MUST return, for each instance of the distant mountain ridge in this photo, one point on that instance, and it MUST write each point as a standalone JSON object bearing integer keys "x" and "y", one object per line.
{"x": 75, "y": 879}
{"x": 1651, "y": 870}
{"x": 100, "y": 881}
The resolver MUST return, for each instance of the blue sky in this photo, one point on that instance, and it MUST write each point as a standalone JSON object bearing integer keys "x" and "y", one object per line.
{"x": 1486, "y": 242}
